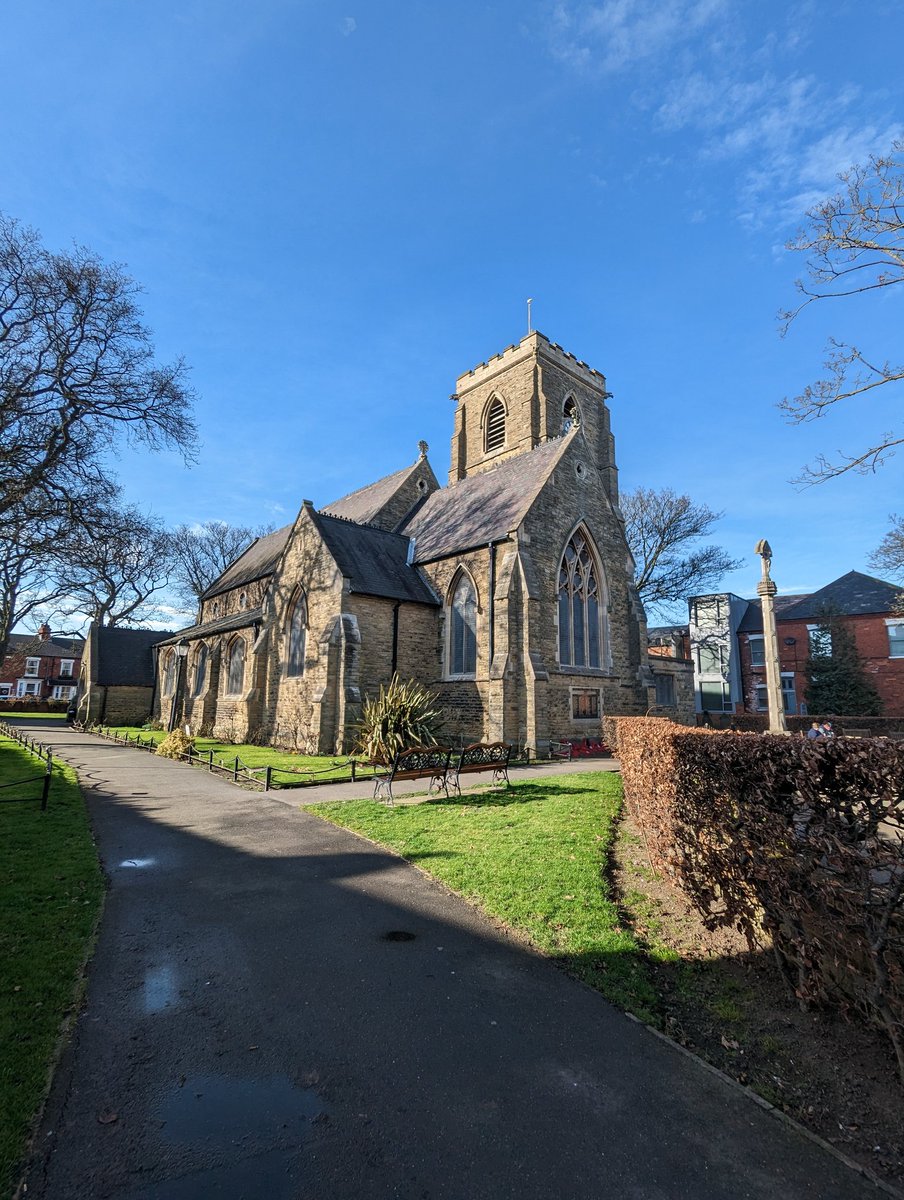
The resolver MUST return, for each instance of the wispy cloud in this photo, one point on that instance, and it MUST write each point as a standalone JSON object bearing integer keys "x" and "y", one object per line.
{"x": 622, "y": 33}
{"x": 699, "y": 73}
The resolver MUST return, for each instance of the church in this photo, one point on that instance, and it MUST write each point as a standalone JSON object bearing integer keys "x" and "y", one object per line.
{"x": 508, "y": 591}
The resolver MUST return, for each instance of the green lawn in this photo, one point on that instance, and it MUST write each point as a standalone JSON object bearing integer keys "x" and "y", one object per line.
{"x": 256, "y": 756}
{"x": 534, "y": 857}
{"x": 51, "y": 891}
{"x": 34, "y": 716}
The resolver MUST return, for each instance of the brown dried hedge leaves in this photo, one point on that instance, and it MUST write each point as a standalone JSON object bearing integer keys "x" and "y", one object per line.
{"x": 795, "y": 842}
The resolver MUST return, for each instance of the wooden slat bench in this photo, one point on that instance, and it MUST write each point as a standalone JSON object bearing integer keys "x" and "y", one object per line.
{"x": 418, "y": 762}
{"x": 482, "y": 756}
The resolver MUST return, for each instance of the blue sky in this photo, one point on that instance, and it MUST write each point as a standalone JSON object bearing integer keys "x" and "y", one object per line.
{"x": 335, "y": 210}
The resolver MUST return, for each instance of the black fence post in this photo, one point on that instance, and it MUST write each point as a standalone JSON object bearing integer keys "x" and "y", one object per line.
{"x": 353, "y": 770}
{"x": 45, "y": 791}
{"x": 267, "y": 779}
{"x": 235, "y": 770}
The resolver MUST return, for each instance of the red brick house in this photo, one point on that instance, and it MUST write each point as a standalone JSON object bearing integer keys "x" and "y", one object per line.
{"x": 41, "y": 666}
{"x": 872, "y": 609}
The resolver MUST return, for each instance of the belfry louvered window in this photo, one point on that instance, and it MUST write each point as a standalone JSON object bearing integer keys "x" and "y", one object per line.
{"x": 495, "y": 425}
{"x": 580, "y": 612}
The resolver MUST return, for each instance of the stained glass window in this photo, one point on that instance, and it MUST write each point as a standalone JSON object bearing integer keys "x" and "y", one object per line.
{"x": 580, "y": 636}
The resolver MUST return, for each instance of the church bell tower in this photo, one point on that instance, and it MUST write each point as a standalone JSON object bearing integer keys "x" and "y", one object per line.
{"x": 528, "y": 394}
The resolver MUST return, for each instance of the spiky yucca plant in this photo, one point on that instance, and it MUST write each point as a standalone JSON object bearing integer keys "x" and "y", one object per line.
{"x": 403, "y": 715}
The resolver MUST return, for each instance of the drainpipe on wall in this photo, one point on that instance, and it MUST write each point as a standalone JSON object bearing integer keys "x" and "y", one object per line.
{"x": 491, "y": 605}
{"x": 395, "y": 635}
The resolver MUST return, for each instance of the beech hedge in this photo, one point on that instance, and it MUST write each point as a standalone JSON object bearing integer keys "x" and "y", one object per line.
{"x": 797, "y": 843}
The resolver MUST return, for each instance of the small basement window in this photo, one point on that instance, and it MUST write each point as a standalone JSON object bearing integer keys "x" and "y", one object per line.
{"x": 585, "y": 704}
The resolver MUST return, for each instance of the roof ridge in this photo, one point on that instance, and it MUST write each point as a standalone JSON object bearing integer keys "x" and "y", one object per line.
{"x": 374, "y": 483}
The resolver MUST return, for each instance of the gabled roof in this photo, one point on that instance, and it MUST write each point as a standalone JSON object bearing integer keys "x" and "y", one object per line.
{"x": 852, "y": 595}
{"x": 124, "y": 656}
{"x": 367, "y": 502}
{"x": 482, "y": 507}
{"x": 32, "y": 646}
{"x": 258, "y": 561}
{"x": 753, "y": 614}
{"x": 239, "y": 620}
{"x": 374, "y": 561}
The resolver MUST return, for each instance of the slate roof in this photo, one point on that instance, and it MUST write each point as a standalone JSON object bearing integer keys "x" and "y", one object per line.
{"x": 239, "y": 620}
{"x": 124, "y": 656}
{"x": 752, "y": 620}
{"x": 256, "y": 562}
{"x": 853, "y": 594}
{"x": 32, "y": 646}
{"x": 666, "y": 631}
{"x": 365, "y": 503}
{"x": 373, "y": 560}
{"x": 482, "y": 507}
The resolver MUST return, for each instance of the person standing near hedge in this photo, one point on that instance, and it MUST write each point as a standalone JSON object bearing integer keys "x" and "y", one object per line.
{"x": 815, "y": 731}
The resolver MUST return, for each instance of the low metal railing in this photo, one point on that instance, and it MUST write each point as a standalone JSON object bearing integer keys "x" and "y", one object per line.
{"x": 345, "y": 770}
{"x": 233, "y": 767}
{"x": 40, "y": 751}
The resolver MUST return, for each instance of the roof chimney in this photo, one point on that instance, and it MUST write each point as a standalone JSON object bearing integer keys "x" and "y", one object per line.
{"x": 44, "y": 632}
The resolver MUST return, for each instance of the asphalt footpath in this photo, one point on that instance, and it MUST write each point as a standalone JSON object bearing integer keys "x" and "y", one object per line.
{"x": 279, "y": 1009}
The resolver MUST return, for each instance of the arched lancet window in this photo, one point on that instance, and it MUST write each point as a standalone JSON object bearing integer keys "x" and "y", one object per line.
{"x": 580, "y": 606}
{"x": 235, "y": 678}
{"x": 298, "y": 629}
{"x": 463, "y": 628}
{"x": 169, "y": 672}
{"x": 495, "y": 431}
{"x": 200, "y": 670}
{"x": 570, "y": 414}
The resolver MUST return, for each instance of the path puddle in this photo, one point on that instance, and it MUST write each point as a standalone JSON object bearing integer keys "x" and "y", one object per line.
{"x": 160, "y": 989}
{"x": 139, "y": 863}
{"x": 209, "y": 1107}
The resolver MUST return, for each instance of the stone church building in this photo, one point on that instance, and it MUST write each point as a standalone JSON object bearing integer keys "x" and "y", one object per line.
{"x": 508, "y": 591}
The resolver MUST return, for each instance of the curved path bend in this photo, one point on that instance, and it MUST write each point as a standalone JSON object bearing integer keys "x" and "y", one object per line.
{"x": 278, "y": 1009}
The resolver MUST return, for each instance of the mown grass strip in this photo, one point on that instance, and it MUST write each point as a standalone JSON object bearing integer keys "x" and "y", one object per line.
{"x": 324, "y": 766}
{"x": 51, "y": 891}
{"x": 534, "y": 857}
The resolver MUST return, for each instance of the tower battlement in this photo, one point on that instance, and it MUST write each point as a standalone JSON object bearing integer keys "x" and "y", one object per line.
{"x": 532, "y": 344}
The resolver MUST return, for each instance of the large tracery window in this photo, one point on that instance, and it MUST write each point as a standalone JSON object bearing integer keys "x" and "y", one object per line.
{"x": 580, "y": 610}
{"x": 298, "y": 626}
{"x": 495, "y": 435}
{"x": 235, "y": 677}
{"x": 463, "y": 628}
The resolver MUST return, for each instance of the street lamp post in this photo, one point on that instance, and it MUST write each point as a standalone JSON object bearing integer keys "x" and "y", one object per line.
{"x": 766, "y": 590}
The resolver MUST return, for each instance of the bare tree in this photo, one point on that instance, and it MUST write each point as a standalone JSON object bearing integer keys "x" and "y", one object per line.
{"x": 28, "y": 575}
{"x": 77, "y": 371}
{"x": 116, "y": 567}
{"x": 889, "y": 555}
{"x": 662, "y": 529}
{"x": 855, "y": 241}
{"x": 203, "y": 552}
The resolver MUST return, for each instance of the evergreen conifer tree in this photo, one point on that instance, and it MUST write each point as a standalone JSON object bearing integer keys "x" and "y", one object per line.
{"x": 837, "y": 682}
